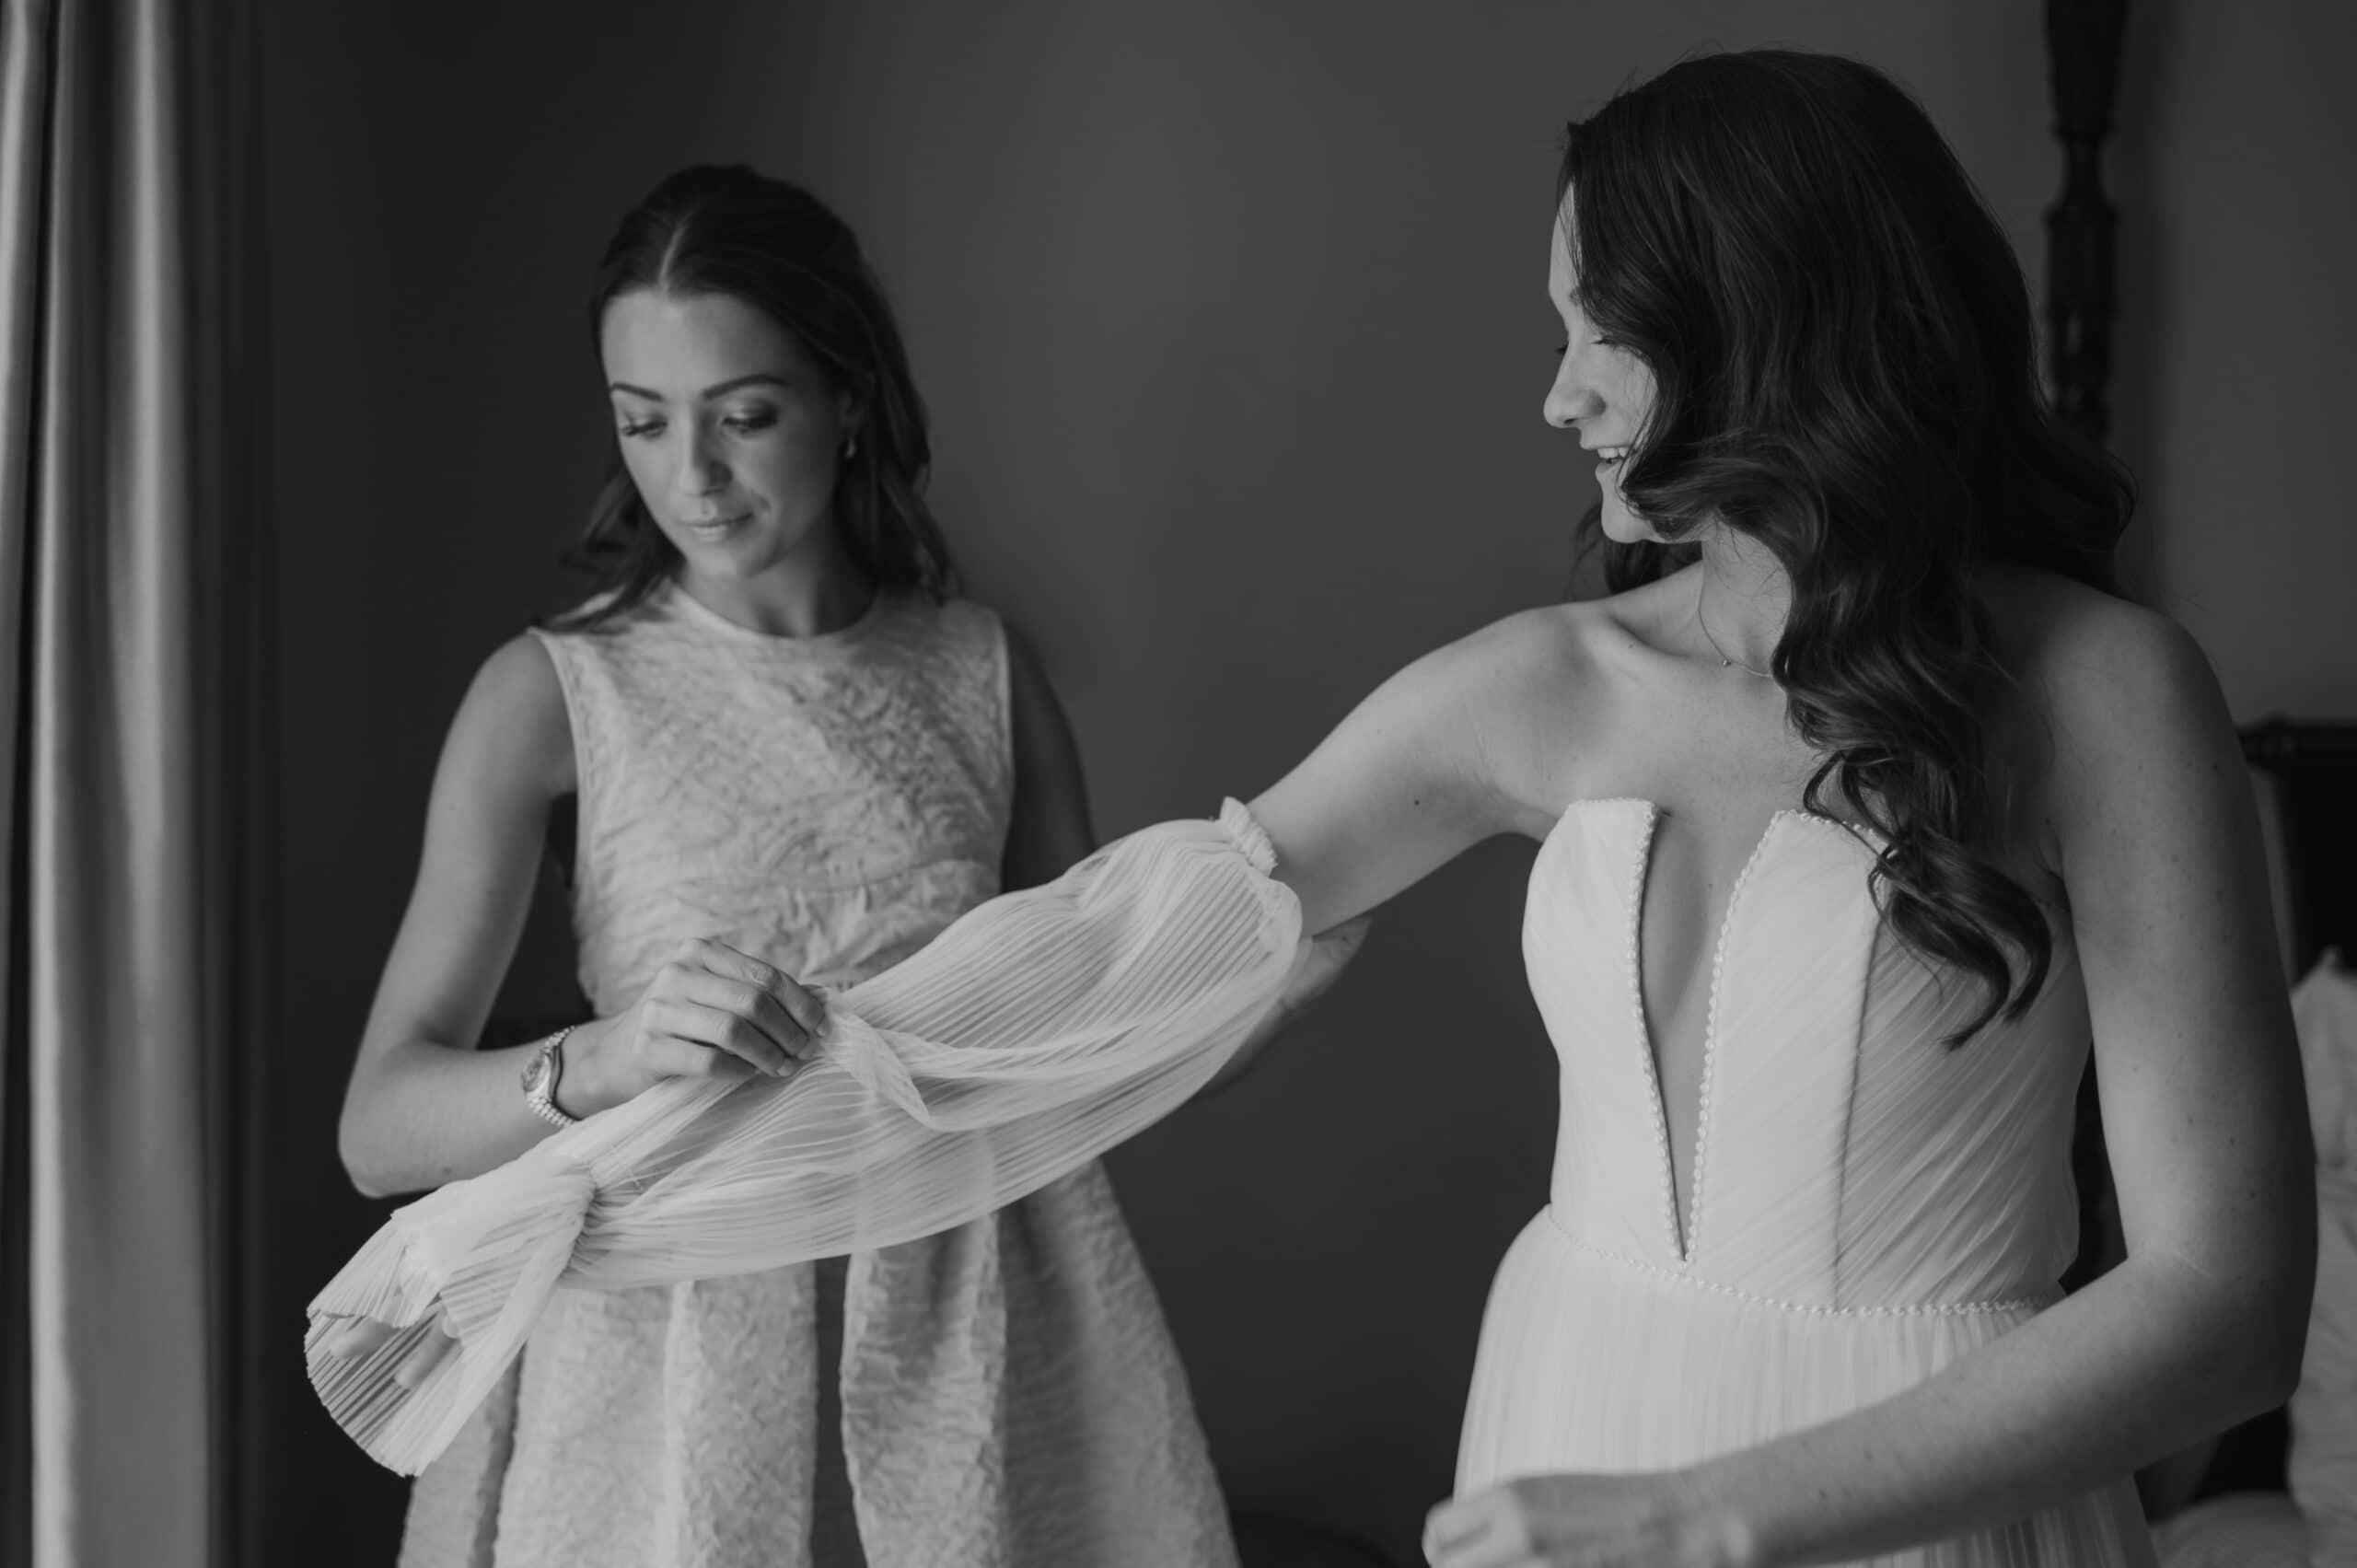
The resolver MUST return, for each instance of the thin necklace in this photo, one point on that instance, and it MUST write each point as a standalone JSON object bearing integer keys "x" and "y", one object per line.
{"x": 1724, "y": 662}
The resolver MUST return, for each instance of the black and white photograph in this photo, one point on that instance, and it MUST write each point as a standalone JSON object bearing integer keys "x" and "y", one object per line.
{"x": 1177, "y": 783}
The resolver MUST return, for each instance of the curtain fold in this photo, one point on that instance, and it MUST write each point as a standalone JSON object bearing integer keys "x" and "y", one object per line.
{"x": 133, "y": 607}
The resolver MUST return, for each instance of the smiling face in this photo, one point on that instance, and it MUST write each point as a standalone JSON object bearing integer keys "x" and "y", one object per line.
{"x": 1601, "y": 389}
{"x": 729, "y": 428}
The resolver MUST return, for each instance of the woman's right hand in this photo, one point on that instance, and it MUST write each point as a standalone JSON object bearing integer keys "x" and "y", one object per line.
{"x": 711, "y": 1012}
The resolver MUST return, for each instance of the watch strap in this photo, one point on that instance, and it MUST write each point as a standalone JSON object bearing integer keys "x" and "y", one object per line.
{"x": 541, "y": 1076}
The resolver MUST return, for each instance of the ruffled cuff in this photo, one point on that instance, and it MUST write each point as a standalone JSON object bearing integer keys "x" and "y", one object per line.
{"x": 1249, "y": 836}
{"x": 479, "y": 1266}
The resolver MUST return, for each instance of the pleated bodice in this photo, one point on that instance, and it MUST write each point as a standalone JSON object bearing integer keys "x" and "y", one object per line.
{"x": 1846, "y": 1157}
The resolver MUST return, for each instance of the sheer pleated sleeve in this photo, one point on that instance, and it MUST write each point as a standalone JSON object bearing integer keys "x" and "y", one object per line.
{"x": 1034, "y": 1034}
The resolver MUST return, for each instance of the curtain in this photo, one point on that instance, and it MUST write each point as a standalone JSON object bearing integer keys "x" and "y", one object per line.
{"x": 134, "y": 616}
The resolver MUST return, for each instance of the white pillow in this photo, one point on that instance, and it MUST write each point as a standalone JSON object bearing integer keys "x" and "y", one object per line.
{"x": 2323, "y": 1464}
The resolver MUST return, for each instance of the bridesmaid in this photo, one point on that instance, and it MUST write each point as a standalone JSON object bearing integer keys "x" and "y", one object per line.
{"x": 795, "y": 752}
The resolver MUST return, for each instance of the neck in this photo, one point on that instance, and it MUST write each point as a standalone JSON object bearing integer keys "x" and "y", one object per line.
{"x": 1741, "y": 601}
{"x": 803, "y": 596}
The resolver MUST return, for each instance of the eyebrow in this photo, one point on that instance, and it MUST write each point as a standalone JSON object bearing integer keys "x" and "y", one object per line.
{"x": 757, "y": 378}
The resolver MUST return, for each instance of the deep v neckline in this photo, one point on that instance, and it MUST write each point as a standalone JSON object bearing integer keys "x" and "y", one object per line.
{"x": 1682, "y": 1231}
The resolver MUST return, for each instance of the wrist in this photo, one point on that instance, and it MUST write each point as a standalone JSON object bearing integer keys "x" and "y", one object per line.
{"x": 579, "y": 1091}
{"x": 1714, "y": 1529}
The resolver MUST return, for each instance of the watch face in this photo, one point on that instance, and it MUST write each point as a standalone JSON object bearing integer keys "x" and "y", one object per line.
{"x": 536, "y": 1073}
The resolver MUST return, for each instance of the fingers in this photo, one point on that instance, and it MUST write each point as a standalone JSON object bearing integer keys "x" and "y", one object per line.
{"x": 419, "y": 1364}
{"x": 670, "y": 1056}
{"x": 356, "y": 1339}
{"x": 723, "y": 1016}
{"x": 1323, "y": 960}
{"x": 1482, "y": 1531}
{"x": 799, "y": 1004}
{"x": 1344, "y": 941}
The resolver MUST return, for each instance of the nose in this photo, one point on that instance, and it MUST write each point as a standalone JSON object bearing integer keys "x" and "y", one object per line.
{"x": 1571, "y": 397}
{"x": 700, "y": 469}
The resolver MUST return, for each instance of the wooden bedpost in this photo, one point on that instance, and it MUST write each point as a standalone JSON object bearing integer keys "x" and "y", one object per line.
{"x": 2082, "y": 38}
{"x": 2082, "y": 72}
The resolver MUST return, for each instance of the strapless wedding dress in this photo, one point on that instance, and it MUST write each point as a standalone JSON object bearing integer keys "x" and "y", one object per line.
{"x": 1866, "y": 1204}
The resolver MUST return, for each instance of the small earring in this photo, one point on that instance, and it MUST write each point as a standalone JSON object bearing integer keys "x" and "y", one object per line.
{"x": 851, "y": 447}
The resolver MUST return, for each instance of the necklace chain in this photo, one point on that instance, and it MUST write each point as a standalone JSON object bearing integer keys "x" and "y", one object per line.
{"x": 1724, "y": 662}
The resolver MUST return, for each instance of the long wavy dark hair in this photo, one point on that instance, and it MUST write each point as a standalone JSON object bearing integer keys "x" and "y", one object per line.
{"x": 1843, "y": 348}
{"x": 726, "y": 230}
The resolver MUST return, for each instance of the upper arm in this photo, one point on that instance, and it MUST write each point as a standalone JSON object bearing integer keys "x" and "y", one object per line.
{"x": 1440, "y": 757}
{"x": 508, "y": 758}
{"x": 1047, "y": 828}
{"x": 2159, "y": 853}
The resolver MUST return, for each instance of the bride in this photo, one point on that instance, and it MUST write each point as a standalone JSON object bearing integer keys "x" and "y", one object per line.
{"x": 1865, "y": 805}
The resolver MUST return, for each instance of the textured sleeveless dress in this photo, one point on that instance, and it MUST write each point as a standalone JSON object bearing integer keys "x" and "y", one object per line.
{"x": 1865, "y": 1206}
{"x": 1005, "y": 1393}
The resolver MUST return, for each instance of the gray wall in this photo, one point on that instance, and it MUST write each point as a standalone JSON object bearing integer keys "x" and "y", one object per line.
{"x": 2241, "y": 246}
{"x": 1230, "y": 315}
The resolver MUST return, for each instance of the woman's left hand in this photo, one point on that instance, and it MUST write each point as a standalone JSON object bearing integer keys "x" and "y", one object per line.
{"x": 1650, "y": 1520}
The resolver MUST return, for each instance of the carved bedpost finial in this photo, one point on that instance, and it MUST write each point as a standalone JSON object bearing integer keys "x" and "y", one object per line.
{"x": 2083, "y": 56}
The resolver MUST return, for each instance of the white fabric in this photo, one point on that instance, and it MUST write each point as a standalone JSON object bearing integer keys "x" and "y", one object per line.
{"x": 1036, "y": 1032}
{"x": 2322, "y": 1470}
{"x": 1866, "y": 1204}
{"x": 2241, "y": 1530}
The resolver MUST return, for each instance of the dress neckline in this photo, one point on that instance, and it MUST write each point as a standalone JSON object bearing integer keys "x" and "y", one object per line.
{"x": 1682, "y": 1230}
{"x": 677, "y": 595}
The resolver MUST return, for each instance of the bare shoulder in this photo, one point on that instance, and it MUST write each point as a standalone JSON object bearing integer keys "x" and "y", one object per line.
{"x": 1035, "y": 714}
{"x": 1537, "y": 649}
{"x": 2093, "y": 665}
{"x": 1027, "y": 676}
{"x": 513, "y": 724}
{"x": 2115, "y": 707}
{"x": 1519, "y": 692}
{"x": 1460, "y": 746}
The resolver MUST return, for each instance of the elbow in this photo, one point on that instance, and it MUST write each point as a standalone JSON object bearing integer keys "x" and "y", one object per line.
{"x": 2290, "y": 1308}
{"x": 358, "y": 1167}
{"x": 2275, "y": 1374}
{"x": 2240, "y": 1328}
{"x": 2270, "y": 1344}
{"x": 363, "y": 1159}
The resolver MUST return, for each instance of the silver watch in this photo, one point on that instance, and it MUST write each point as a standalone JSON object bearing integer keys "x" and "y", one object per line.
{"x": 540, "y": 1075}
